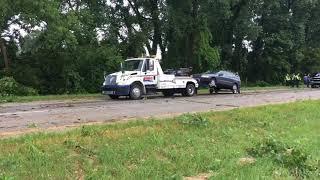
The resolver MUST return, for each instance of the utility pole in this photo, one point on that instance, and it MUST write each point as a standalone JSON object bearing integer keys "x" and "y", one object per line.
{"x": 3, "y": 51}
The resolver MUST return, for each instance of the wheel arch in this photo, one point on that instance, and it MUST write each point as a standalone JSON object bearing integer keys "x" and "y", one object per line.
{"x": 191, "y": 82}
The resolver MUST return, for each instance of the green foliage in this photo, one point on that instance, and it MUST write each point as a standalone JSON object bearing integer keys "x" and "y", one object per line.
{"x": 262, "y": 84}
{"x": 194, "y": 120}
{"x": 189, "y": 39}
{"x": 69, "y": 44}
{"x": 289, "y": 157}
{"x": 9, "y": 87}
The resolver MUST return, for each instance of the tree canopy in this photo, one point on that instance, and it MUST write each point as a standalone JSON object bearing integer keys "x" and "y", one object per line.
{"x": 64, "y": 46}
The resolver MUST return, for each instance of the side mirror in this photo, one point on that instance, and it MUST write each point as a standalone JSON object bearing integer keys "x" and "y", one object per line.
{"x": 220, "y": 75}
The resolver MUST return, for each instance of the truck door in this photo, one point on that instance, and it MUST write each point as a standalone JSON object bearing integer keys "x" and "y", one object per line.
{"x": 150, "y": 74}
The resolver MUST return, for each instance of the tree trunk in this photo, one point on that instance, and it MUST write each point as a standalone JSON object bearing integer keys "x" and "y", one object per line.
{"x": 3, "y": 51}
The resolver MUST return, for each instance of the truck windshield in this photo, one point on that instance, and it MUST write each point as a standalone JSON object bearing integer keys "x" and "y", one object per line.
{"x": 133, "y": 65}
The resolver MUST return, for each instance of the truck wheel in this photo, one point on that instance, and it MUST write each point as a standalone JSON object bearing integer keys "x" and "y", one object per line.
{"x": 190, "y": 90}
{"x": 114, "y": 96}
{"x": 168, "y": 93}
{"x": 136, "y": 92}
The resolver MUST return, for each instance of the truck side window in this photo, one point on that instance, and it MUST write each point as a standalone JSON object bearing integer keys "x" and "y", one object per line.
{"x": 151, "y": 65}
{"x": 144, "y": 68}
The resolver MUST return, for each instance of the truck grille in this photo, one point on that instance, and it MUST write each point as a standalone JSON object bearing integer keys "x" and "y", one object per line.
{"x": 111, "y": 80}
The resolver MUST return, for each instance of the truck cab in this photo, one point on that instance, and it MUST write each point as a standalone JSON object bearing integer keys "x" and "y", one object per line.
{"x": 142, "y": 76}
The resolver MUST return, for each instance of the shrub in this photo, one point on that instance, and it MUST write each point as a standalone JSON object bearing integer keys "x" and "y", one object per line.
{"x": 10, "y": 87}
{"x": 262, "y": 84}
{"x": 294, "y": 159}
{"x": 194, "y": 119}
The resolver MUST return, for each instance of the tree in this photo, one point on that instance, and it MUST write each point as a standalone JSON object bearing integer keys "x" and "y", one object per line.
{"x": 189, "y": 39}
{"x": 7, "y": 13}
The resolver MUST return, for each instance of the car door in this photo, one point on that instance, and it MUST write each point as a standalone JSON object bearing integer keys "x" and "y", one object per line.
{"x": 222, "y": 80}
{"x": 229, "y": 79}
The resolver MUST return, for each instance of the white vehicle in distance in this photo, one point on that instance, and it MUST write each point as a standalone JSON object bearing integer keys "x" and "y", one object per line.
{"x": 143, "y": 76}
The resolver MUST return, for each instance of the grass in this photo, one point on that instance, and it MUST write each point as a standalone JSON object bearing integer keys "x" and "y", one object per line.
{"x": 48, "y": 98}
{"x": 188, "y": 145}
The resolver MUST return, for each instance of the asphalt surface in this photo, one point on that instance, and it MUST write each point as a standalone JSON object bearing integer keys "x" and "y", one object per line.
{"x": 24, "y": 117}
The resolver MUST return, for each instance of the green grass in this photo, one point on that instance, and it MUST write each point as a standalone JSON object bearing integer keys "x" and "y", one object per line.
{"x": 170, "y": 149}
{"x": 48, "y": 98}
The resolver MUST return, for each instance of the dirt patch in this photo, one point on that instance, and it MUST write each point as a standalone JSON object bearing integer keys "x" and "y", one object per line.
{"x": 246, "y": 161}
{"x": 202, "y": 176}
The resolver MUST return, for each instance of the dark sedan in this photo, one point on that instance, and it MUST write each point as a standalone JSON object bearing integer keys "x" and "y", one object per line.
{"x": 315, "y": 80}
{"x": 216, "y": 81}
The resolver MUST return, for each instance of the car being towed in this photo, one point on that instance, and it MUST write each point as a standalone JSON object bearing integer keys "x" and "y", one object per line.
{"x": 315, "y": 80}
{"x": 217, "y": 81}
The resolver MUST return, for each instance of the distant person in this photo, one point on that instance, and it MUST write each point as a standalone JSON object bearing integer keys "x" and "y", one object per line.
{"x": 296, "y": 80}
{"x": 288, "y": 80}
{"x": 306, "y": 80}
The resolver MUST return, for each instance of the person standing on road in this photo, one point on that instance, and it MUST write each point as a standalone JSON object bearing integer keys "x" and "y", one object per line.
{"x": 296, "y": 80}
{"x": 306, "y": 80}
{"x": 288, "y": 80}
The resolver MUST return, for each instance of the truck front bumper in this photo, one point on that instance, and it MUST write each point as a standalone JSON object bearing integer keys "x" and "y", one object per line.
{"x": 116, "y": 90}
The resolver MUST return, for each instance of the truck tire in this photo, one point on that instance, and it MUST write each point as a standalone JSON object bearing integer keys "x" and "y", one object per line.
{"x": 168, "y": 93}
{"x": 190, "y": 90}
{"x": 136, "y": 92}
{"x": 114, "y": 96}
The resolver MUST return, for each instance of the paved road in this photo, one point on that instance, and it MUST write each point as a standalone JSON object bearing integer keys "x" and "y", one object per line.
{"x": 43, "y": 115}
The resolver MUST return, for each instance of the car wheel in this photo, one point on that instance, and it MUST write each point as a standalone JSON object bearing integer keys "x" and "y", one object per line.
{"x": 114, "y": 96}
{"x": 190, "y": 90}
{"x": 212, "y": 83}
{"x": 235, "y": 89}
{"x": 213, "y": 91}
{"x": 136, "y": 92}
{"x": 168, "y": 93}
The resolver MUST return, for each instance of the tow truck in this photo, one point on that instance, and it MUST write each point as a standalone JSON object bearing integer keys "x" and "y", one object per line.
{"x": 143, "y": 76}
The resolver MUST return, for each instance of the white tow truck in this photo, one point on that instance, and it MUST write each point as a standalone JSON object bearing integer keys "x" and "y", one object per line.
{"x": 143, "y": 76}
